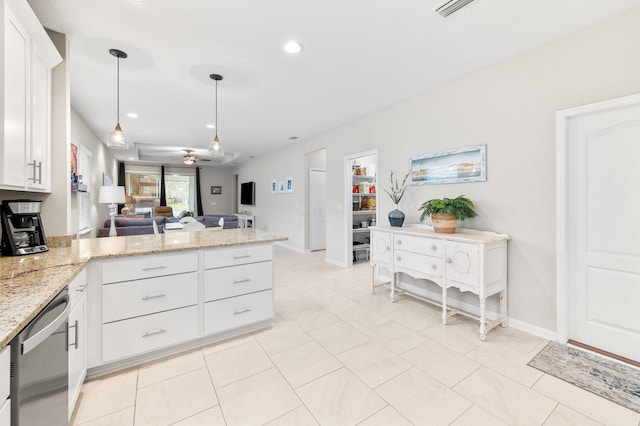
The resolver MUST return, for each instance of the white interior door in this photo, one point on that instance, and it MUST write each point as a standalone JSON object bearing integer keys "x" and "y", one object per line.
{"x": 317, "y": 209}
{"x": 602, "y": 228}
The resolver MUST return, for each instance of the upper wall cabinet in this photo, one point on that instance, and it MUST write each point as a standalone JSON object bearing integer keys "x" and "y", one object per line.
{"x": 27, "y": 56}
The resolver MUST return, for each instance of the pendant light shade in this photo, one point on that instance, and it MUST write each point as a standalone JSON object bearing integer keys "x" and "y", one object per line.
{"x": 116, "y": 138}
{"x": 216, "y": 150}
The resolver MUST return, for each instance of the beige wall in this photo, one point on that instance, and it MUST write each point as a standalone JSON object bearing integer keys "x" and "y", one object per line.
{"x": 222, "y": 203}
{"x": 509, "y": 106}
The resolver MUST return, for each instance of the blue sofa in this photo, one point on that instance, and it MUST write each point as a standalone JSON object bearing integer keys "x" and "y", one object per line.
{"x": 144, "y": 225}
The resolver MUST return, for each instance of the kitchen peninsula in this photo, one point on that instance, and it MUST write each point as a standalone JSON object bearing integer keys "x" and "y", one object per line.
{"x": 199, "y": 263}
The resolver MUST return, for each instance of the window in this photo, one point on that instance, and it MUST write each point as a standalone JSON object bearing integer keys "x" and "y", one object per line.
{"x": 143, "y": 189}
{"x": 84, "y": 198}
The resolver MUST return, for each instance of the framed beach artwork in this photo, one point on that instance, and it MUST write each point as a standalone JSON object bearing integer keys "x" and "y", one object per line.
{"x": 467, "y": 164}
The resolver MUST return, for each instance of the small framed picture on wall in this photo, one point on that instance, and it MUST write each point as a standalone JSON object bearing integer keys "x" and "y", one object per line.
{"x": 274, "y": 186}
{"x": 216, "y": 190}
{"x": 289, "y": 184}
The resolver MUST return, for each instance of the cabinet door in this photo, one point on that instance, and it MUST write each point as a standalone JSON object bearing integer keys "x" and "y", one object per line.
{"x": 16, "y": 57}
{"x": 77, "y": 347}
{"x": 380, "y": 247}
{"x": 38, "y": 152}
{"x": 461, "y": 264}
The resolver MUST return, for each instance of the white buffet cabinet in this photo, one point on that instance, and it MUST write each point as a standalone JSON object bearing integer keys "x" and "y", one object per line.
{"x": 145, "y": 307}
{"x": 469, "y": 260}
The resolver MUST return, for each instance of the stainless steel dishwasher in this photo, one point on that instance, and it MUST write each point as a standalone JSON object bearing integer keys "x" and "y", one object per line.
{"x": 40, "y": 368}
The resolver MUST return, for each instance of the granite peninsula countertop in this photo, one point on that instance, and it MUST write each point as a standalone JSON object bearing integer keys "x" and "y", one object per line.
{"x": 29, "y": 283}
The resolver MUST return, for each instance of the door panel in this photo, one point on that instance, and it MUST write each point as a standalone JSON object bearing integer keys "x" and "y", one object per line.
{"x": 602, "y": 240}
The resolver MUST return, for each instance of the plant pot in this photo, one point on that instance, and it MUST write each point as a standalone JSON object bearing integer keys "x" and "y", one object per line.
{"x": 444, "y": 223}
{"x": 396, "y": 217}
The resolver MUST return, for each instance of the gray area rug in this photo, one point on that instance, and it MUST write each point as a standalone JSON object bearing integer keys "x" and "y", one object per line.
{"x": 609, "y": 379}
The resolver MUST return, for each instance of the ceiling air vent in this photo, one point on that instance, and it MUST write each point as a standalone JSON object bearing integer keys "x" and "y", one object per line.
{"x": 452, "y": 6}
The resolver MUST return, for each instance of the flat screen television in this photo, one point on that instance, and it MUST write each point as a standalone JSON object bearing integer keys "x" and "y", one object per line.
{"x": 247, "y": 193}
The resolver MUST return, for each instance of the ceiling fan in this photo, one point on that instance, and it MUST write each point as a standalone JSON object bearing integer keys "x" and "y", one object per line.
{"x": 189, "y": 158}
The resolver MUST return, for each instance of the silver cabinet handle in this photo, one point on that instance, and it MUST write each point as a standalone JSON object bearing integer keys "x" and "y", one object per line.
{"x": 39, "y": 171}
{"x": 434, "y": 247}
{"x": 47, "y": 331}
{"x": 153, "y": 268}
{"x": 244, "y": 256}
{"x": 244, "y": 311}
{"x": 37, "y": 166}
{"x": 245, "y": 280}
{"x": 157, "y": 296}
{"x": 81, "y": 288}
{"x": 434, "y": 266}
{"x": 153, "y": 333}
{"x": 449, "y": 261}
{"x": 387, "y": 248}
{"x": 398, "y": 258}
{"x": 75, "y": 327}
{"x": 399, "y": 242}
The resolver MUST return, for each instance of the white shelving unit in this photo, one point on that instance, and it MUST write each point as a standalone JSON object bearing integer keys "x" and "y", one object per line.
{"x": 363, "y": 208}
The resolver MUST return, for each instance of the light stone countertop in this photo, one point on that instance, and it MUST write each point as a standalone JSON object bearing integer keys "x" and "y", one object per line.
{"x": 28, "y": 283}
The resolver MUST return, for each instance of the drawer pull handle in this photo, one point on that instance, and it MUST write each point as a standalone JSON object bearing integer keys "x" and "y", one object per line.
{"x": 81, "y": 288}
{"x": 244, "y": 311}
{"x": 245, "y": 280}
{"x": 153, "y": 333}
{"x": 157, "y": 296}
{"x": 244, "y": 256}
{"x": 398, "y": 258}
{"x": 387, "y": 248}
{"x": 449, "y": 261}
{"x": 434, "y": 247}
{"x": 434, "y": 266}
{"x": 399, "y": 242}
{"x": 153, "y": 268}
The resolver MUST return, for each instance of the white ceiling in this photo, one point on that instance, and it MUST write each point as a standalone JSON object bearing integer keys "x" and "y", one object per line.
{"x": 359, "y": 56}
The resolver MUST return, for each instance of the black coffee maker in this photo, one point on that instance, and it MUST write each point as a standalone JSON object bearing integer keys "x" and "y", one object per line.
{"x": 22, "y": 231}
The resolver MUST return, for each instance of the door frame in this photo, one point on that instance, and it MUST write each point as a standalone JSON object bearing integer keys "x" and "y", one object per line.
{"x": 348, "y": 215}
{"x": 562, "y": 204}
{"x": 310, "y": 170}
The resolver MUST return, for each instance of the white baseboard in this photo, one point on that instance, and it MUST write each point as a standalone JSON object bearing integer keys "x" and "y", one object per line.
{"x": 336, "y": 262}
{"x": 290, "y": 247}
{"x": 533, "y": 329}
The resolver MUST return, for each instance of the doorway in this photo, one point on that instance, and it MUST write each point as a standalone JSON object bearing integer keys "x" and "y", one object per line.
{"x": 598, "y": 182}
{"x": 317, "y": 209}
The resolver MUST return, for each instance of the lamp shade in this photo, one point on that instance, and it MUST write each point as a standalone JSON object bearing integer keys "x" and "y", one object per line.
{"x": 111, "y": 195}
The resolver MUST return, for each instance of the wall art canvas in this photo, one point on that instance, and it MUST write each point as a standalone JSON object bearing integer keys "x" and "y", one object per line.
{"x": 467, "y": 164}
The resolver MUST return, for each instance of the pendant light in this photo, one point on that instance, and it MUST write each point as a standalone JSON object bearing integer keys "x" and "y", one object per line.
{"x": 215, "y": 150}
{"x": 116, "y": 138}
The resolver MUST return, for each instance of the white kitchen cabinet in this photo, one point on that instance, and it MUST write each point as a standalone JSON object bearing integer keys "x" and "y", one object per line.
{"x": 5, "y": 380}
{"x": 469, "y": 260}
{"x": 77, "y": 337}
{"x": 28, "y": 56}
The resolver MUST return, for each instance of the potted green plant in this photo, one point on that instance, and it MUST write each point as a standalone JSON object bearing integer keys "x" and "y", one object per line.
{"x": 396, "y": 191}
{"x": 446, "y": 212}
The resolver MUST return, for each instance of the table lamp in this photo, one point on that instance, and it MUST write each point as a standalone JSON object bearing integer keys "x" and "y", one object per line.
{"x": 112, "y": 195}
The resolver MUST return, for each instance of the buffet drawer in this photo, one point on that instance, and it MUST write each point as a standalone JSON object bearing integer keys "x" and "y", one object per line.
{"x": 427, "y": 265}
{"x": 415, "y": 244}
{"x": 237, "y": 280}
{"x": 125, "y": 338}
{"x": 235, "y": 312}
{"x": 135, "y": 298}
{"x": 148, "y": 266}
{"x": 218, "y": 258}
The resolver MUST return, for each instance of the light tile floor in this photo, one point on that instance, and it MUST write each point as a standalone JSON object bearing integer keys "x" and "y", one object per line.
{"x": 337, "y": 355}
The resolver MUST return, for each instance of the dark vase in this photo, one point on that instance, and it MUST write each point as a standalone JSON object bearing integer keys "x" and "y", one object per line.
{"x": 396, "y": 217}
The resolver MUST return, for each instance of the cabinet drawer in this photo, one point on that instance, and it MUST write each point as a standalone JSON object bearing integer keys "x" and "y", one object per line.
{"x": 135, "y": 298}
{"x": 137, "y": 335}
{"x": 236, "y": 280}
{"x": 428, "y": 265}
{"x": 217, "y": 258}
{"x": 5, "y": 358}
{"x": 428, "y": 246}
{"x": 235, "y": 312}
{"x": 148, "y": 266}
{"x": 77, "y": 287}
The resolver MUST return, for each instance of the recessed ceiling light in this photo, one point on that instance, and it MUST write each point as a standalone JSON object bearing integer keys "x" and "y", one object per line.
{"x": 293, "y": 47}
{"x": 211, "y": 126}
{"x": 132, "y": 115}
{"x": 131, "y": 158}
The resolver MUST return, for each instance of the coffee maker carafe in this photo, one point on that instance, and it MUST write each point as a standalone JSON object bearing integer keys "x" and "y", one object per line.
{"x": 22, "y": 231}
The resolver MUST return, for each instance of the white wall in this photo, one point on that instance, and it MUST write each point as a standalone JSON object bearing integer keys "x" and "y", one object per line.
{"x": 509, "y": 106}
{"x": 102, "y": 161}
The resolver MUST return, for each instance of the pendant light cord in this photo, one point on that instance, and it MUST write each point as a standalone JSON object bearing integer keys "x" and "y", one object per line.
{"x": 216, "y": 108}
{"x": 118, "y": 95}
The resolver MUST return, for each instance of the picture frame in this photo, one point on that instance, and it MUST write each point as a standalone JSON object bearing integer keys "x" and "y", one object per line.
{"x": 107, "y": 179}
{"x": 289, "y": 184}
{"x": 216, "y": 190}
{"x": 468, "y": 164}
{"x": 274, "y": 186}
{"x": 281, "y": 187}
